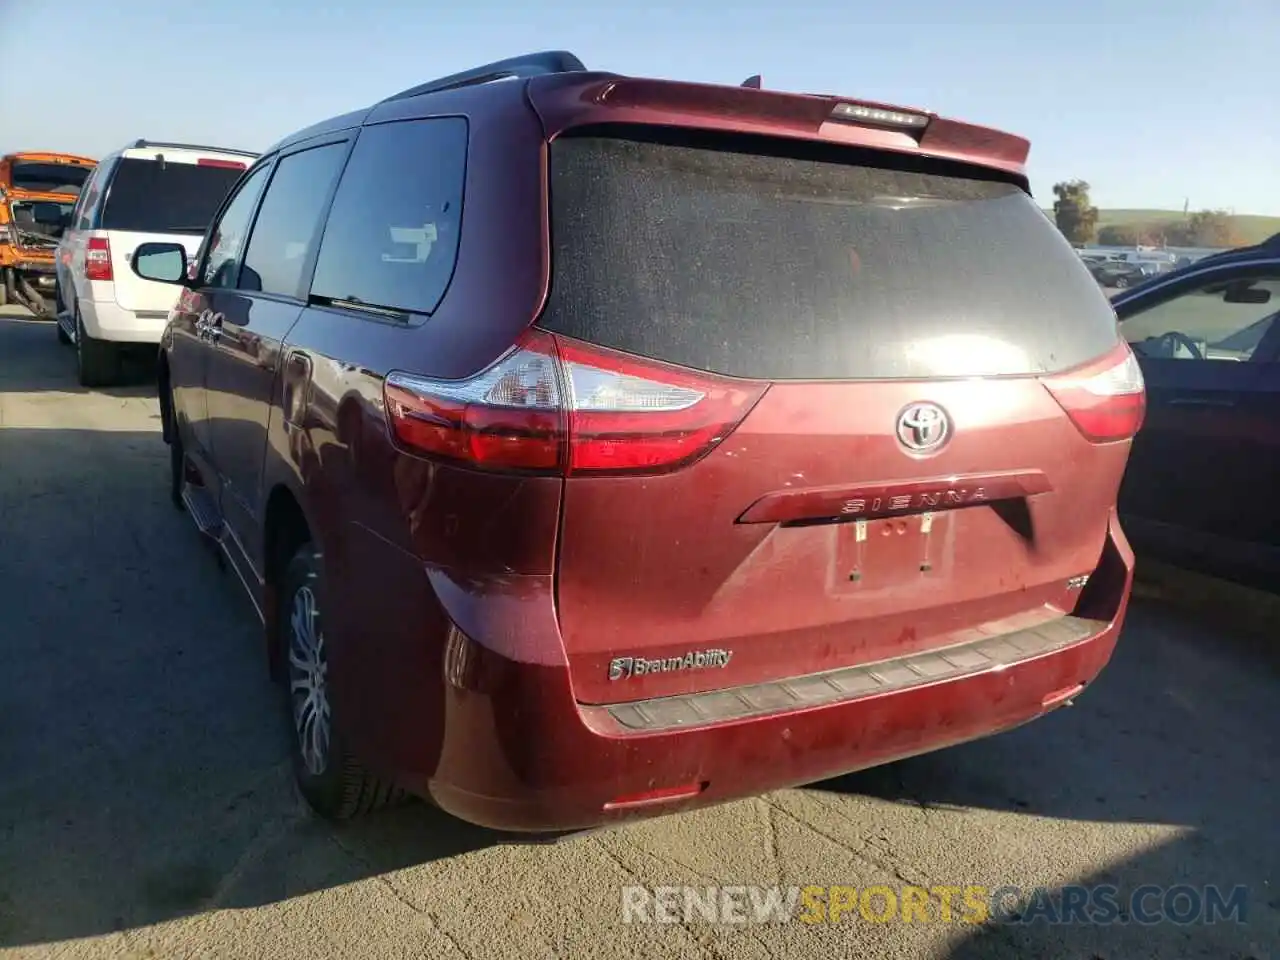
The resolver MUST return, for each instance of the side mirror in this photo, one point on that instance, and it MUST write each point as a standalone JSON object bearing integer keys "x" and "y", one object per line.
{"x": 1244, "y": 293}
{"x": 162, "y": 262}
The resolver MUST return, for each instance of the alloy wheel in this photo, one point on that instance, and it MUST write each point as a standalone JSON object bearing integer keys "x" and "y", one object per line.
{"x": 308, "y": 681}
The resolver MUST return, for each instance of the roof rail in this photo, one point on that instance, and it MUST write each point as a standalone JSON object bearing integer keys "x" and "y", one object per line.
{"x": 526, "y": 65}
{"x": 140, "y": 144}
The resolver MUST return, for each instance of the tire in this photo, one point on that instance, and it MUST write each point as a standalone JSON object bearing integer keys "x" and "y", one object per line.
{"x": 334, "y": 783}
{"x": 97, "y": 361}
{"x": 58, "y": 308}
{"x": 177, "y": 462}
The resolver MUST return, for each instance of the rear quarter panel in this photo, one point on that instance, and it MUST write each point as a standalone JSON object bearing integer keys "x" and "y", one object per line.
{"x": 386, "y": 519}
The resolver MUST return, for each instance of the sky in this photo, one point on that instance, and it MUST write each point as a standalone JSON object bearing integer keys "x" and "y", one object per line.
{"x": 1153, "y": 103}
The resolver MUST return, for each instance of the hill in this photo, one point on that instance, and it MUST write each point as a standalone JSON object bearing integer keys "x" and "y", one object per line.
{"x": 1252, "y": 228}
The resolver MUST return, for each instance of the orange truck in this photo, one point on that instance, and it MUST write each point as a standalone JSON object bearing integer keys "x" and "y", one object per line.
{"x": 38, "y": 192}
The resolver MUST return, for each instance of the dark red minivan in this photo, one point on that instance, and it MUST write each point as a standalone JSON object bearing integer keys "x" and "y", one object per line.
{"x": 595, "y": 447}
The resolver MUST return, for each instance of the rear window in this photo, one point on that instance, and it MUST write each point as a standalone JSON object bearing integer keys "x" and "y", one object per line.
{"x": 154, "y": 197}
{"x": 774, "y": 267}
{"x": 49, "y": 177}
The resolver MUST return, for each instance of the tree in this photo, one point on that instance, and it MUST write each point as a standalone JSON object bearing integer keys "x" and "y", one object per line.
{"x": 1075, "y": 216}
{"x": 1119, "y": 235}
{"x": 1205, "y": 228}
{"x": 1134, "y": 235}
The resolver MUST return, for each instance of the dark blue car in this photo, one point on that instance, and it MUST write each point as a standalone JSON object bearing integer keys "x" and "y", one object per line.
{"x": 1202, "y": 489}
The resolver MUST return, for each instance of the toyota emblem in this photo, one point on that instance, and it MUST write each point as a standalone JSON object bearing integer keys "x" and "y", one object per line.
{"x": 923, "y": 427}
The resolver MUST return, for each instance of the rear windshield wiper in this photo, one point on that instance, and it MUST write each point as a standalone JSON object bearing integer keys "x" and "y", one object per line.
{"x": 351, "y": 302}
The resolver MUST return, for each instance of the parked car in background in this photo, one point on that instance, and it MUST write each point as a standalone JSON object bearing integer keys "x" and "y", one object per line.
{"x": 704, "y": 489}
{"x": 144, "y": 192}
{"x": 1119, "y": 274}
{"x": 37, "y": 193}
{"x": 1201, "y": 486}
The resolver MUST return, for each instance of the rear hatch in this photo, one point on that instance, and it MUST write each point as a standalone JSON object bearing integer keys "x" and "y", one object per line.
{"x": 42, "y": 194}
{"x": 162, "y": 197}
{"x": 900, "y": 341}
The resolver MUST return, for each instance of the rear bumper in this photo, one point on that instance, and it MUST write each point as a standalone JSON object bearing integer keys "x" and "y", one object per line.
{"x": 107, "y": 320}
{"x": 518, "y": 753}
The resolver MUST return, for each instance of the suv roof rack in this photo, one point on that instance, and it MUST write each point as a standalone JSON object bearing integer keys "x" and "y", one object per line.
{"x": 526, "y": 65}
{"x": 141, "y": 144}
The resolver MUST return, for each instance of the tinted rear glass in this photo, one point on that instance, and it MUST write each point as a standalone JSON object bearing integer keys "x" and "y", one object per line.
{"x": 783, "y": 268}
{"x": 49, "y": 177}
{"x": 154, "y": 197}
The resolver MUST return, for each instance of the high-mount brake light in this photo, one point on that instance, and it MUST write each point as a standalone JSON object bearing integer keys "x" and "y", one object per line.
{"x": 1106, "y": 400}
{"x": 554, "y": 405}
{"x": 879, "y": 116}
{"x": 225, "y": 164}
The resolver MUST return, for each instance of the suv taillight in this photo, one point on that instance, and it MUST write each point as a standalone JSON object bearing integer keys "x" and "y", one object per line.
{"x": 1106, "y": 400}
{"x": 97, "y": 259}
{"x": 553, "y": 405}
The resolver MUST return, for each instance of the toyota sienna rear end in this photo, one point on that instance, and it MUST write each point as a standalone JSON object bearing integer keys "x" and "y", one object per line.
{"x": 817, "y": 419}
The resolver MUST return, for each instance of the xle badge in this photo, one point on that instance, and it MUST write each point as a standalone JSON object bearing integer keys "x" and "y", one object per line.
{"x": 623, "y": 668}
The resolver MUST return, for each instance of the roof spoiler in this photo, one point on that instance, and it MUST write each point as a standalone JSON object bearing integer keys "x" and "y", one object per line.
{"x": 526, "y": 65}
{"x": 807, "y": 112}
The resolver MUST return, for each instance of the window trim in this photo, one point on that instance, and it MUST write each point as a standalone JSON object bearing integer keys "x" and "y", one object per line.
{"x": 415, "y": 318}
{"x": 206, "y": 248}
{"x": 1170, "y": 288}
{"x": 108, "y": 166}
{"x": 1268, "y": 349}
{"x": 309, "y": 264}
{"x": 78, "y": 211}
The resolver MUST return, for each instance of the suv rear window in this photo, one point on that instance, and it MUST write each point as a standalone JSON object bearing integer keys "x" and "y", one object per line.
{"x": 153, "y": 197}
{"x": 775, "y": 267}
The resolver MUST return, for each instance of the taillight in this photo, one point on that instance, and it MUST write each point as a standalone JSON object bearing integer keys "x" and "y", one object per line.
{"x": 97, "y": 259}
{"x": 552, "y": 405}
{"x": 1105, "y": 400}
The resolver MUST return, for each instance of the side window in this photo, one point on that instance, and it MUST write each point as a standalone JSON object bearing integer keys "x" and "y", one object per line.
{"x": 392, "y": 236}
{"x": 90, "y": 194}
{"x": 227, "y": 238}
{"x": 1224, "y": 320}
{"x": 287, "y": 225}
{"x": 77, "y": 212}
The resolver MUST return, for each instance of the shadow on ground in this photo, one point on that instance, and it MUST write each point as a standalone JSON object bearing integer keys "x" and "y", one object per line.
{"x": 142, "y": 744}
{"x": 30, "y": 365}
{"x": 1157, "y": 904}
{"x": 1213, "y": 720}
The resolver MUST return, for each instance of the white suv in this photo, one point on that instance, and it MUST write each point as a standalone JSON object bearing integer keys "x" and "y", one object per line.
{"x": 144, "y": 192}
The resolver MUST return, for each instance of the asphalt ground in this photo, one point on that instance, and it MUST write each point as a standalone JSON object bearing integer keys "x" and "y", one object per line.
{"x": 147, "y": 809}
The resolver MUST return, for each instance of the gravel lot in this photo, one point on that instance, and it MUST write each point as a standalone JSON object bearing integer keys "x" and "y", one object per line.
{"x": 146, "y": 808}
